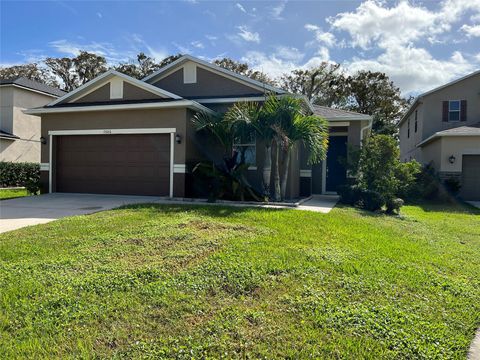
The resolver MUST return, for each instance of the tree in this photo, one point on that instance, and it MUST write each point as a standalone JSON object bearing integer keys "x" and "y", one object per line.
{"x": 280, "y": 123}
{"x": 323, "y": 85}
{"x": 374, "y": 94}
{"x": 292, "y": 126}
{"x": 144, "y": 65}
{"x": 243, "y": 69}
{"x": 29, "y": 71}
{"x": 380, "y": 170}
{"x": 88, "y": 66}
{"x": 64, "y": 69}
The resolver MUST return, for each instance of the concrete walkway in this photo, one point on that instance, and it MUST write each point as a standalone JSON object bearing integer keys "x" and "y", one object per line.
{"x": 320, "y": 203}
{"x": 33, "y": 210}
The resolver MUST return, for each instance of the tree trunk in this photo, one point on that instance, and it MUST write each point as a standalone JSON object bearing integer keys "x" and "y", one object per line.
{"x": 276, "y": 172}
{"x": 267, "y": 170}
{"x": 284, "y": 178}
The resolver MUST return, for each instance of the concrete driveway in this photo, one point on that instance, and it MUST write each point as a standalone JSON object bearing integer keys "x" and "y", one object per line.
{"x": 33, "y": 210}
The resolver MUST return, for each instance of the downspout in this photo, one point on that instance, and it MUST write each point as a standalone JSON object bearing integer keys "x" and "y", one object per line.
{"x": 368, "y": 126}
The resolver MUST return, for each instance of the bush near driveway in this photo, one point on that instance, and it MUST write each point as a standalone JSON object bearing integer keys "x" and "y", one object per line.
{"x": 20, "y": 174}
{"x": 215, "y": 282}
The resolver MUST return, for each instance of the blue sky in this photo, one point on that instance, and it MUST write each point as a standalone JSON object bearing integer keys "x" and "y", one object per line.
{"x": 418, "y": 44}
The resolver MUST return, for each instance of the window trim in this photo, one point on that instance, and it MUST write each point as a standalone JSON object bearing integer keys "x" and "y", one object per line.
{"x": 459, "y": 111}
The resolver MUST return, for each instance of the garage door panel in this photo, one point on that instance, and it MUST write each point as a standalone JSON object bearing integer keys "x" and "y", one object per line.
{"x": 114, "y": 164}
{"x": 470, "y": 177}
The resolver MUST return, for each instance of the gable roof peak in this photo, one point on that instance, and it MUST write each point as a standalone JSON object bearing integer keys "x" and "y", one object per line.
{"x": 213, "y": 67}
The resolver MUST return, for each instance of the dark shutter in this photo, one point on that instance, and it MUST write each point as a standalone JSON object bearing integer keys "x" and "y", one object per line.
{"x": 445, "y": 111}
{"x": 463, "y": 110}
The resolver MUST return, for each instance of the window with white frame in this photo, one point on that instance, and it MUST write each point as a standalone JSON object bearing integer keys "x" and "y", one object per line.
{"x": 454, "y": 110}
{"x": 246, "y": 148}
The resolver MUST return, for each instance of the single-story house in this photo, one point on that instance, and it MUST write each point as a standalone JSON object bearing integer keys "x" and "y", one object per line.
{"x": 442, "y": 128}
{"x": 20, "y": 132}
{"x": 119, "y": 135}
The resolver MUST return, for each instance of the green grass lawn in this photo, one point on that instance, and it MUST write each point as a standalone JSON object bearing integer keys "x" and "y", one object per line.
{"x": 211, "y": 282}
{"x": 12, "y": 193}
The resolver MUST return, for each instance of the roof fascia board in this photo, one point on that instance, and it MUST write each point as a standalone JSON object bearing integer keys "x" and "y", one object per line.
{"x": 105, "y": 75}
{"x": 169, "y": 105}
{"x": 168, "y": 69}
{"x": 29, "y": 89}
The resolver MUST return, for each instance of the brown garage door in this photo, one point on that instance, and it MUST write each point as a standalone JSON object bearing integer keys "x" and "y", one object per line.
{"x": 470, "y": 177}
{"x": 113, "y": 164}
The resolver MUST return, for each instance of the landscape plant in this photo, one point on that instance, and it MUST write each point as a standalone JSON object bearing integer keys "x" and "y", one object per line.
{"x": 380, "y": 176}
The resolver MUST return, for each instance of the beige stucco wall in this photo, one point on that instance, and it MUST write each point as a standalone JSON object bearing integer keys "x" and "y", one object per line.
{"x": 468, "y": 89}
{"x": 13, "y": 101}
{"x": 430, "y": 116}
{"x": 408, "y": 145}
{"x": 457, "y": 146}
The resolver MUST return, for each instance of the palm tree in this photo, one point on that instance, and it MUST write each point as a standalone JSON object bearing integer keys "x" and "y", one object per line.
{"x": 291, "y": 125}
{"x": 279, "y": 124}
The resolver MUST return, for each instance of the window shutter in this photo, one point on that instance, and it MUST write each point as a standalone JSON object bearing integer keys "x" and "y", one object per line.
{"x": 445, "y": 111}
{"x": 463, "y": 110}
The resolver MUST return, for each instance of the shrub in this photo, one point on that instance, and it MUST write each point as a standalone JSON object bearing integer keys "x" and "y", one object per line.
{"x": 393, "y": 205}
{"x": 20, "y": 174}
{"x": 371, "y": 200}
{"x": 349, "y": 194}
{"x": 452, "y": 185}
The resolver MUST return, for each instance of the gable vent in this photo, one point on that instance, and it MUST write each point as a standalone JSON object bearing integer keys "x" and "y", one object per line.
{"x": 116, "y": 88}
{"x": 189, "y": 73}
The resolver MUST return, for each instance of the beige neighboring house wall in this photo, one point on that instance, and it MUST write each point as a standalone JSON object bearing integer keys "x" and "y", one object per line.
{"x": 439, "y": 142}
{"x": 13, "y": 100}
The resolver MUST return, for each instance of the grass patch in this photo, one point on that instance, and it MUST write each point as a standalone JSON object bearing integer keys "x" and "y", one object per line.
{"x": 6, "y": 194}
{"x": 214, "y": 282}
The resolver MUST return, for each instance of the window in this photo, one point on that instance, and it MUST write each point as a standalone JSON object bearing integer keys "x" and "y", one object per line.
{"x": 454, "y": 110}
{"x": 408, "y": 128}
{"x": 416, "y": 120}
{"x": 246, "y": 148}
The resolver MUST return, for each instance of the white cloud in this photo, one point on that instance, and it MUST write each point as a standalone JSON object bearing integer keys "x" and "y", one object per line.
{"x": 211, "y": 37}
{"x": 140, "y": 44}
{"x": 373, "y": 22}
{"x": 275, "y": 66}
{"x": 278, "y": 10}
{"x": 107, "y": 50}
{"x": 471, "y": 31}
{"x": 413, "y": 69}
{"x": 241, "y": 8}
{"x": 326, "y": 38}
{"x": 289, "y": 53}
{"x": 394, "y": 32}
{"x": 247, "y": 35}
{"x": 99, "y": 15}
{"x": 197, "y": 44}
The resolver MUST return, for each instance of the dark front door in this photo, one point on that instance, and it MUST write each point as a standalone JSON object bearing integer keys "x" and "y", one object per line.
{"x": 136, "y": 164}
{"x": 336, "y": 173}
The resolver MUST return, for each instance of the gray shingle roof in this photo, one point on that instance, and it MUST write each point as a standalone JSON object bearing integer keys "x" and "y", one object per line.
{"x": 467, "y": 130}
{"x": 461, "y": 130}
{"x": 337, "y": 114}
{"x": 34, "y": 85}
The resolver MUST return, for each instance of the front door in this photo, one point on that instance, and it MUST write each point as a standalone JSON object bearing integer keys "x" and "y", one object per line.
{"x": 336, "y": 173}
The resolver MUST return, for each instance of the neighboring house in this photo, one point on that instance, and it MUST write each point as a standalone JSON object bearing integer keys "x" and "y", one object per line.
{"x": 442, "y": 127}
{"x": 20, "y": 132}
{"x": 120, "y": 135}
